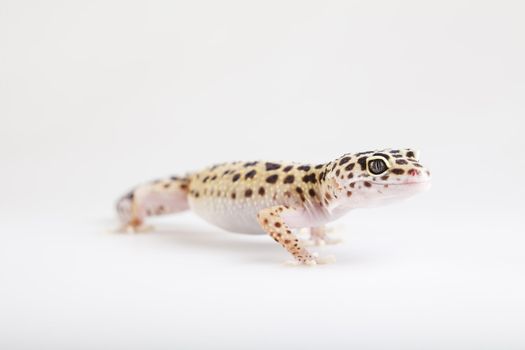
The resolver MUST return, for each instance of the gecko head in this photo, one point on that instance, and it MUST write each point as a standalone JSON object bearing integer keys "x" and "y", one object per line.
{"x": 379, "y": 177}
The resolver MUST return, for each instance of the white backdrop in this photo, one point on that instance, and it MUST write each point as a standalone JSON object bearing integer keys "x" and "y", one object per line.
{"x": 96, "y": 96}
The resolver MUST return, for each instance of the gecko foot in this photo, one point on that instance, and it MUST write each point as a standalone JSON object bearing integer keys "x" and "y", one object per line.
{"x": 316, "y": 260}
{"x": 318, "y": 242}
{"x": 132, "y": 228}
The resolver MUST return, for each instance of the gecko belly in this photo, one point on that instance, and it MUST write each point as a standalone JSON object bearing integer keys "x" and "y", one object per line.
{"x": 228, "y": 214}
{"x": 241, "y": 217}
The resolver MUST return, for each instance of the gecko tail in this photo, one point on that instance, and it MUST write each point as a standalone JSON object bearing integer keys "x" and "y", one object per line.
{"x": 155, "y": 198}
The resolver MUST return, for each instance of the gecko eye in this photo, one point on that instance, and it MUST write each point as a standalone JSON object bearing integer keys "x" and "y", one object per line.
{"x": 377, "y": 165}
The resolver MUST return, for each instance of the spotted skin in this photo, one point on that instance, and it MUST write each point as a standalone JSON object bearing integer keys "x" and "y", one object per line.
{"x": 159, "y": 197}
{"x": 278, "y": 198}
{"x": 272, "y": 222}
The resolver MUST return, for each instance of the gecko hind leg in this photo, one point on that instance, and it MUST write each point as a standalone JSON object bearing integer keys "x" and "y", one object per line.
{"x": 271, "y": 220}
{"x": 156, "y": 198}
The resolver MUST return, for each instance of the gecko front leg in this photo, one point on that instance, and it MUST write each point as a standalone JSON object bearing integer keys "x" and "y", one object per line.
{"x": 319, "y": 236}
{"x": 272, "y": 222}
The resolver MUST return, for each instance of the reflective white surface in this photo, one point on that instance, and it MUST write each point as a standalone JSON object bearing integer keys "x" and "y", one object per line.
{"x": 97, "y": 97}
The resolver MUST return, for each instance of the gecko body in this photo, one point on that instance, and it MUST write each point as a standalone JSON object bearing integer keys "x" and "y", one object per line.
{"x": 278, "y": 198}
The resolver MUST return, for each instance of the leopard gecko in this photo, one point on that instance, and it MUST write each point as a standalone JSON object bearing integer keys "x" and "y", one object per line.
{"x": 280, "y": 198}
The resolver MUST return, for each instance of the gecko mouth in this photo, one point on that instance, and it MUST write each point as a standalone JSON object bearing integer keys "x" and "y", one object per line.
{"x": 410, "y": 183}
{"x": 397, "y": 189}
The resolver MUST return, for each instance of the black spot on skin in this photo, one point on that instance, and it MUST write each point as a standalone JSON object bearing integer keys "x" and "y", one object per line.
{"x": 384, "y": 177}
{"x": 367, "y": 184}
{"x": 272, "y": 179}
{"x": 319, "y": 166}
{"x": 397, "y": 171}
{"x": 303, "y": 167}
{"x": 288, "y": 168}
{"x": 234, "y": 195}
{"x": 261, "y": 191}
{"x": 394, "y": 151}
{"x": 363, "y": 153}
{"x": 272, "y": 166}
{"x": 248, "y": 193}
{"x": 352, "y": 184}
{"x": 250, "y": 174}
{"x": 311, "y": 192}
{"x": 397, "y": 156}
{"x": 344, "y": 160}
{"x": 350, "y": 167}
{"x": 309, "y": 178}
{"x": 382, "y": 155}
{"x": 174, "y": 178}
{"x": 418, "y": 165}
{"x": 401, "y": 162}
{"x": 338, "y": 172}
{"x": 205, "y": 179}
{"x": 167, "y": 185}
{"x": 236, "y": 177}
{"x": 289, "y": 179}
{"x": 130, "y": 196}
{"x": 299, "y": 190}
{"x": 350, "y": 175}
{"x": 362, "y": 163}
{"x": 249, "y": 164}
{"x": 410, "y": 154}
{"x": 213, "y": 178}
{"x": 348, "y": 193}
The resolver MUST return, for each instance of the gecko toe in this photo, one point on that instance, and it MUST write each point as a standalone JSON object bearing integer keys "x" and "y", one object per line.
{"x": 329, "y": 259}
{"x": 132, "y": 228}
